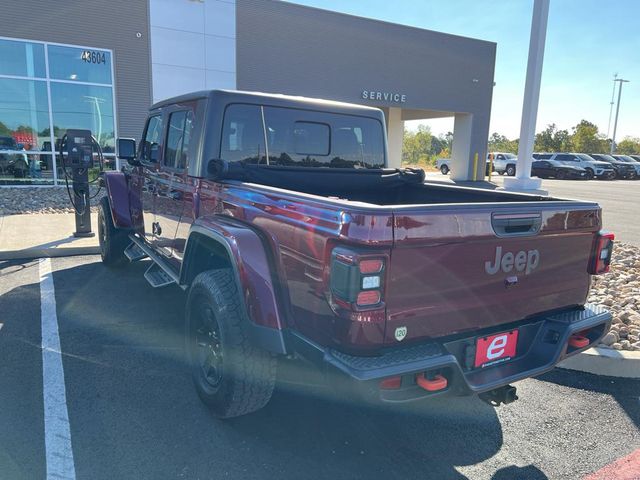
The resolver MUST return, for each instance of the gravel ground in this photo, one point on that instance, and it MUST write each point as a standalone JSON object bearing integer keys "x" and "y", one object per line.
{"x": 27, "y": 200}
{"x": 619, "y": 289}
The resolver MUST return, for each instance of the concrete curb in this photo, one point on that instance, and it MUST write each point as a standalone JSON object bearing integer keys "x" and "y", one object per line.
{"x": 48, "y": 252}
{"x": 605, "y": 361}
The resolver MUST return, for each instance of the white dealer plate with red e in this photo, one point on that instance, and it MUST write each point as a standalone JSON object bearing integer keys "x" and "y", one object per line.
{"x": 496, "y": 348}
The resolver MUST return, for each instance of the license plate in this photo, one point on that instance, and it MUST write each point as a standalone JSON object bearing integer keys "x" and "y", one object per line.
{"x": 495, "y": 349}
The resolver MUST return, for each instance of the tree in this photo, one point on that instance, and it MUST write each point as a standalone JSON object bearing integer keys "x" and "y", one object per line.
{"x": 553, "y": 140}
{"x": 586, "y": 138}
{"x": 629, "y": 146}
{"x": 500, "y": 143}
{"x": 416, "y": 146}
{"x": 4, "y": 130}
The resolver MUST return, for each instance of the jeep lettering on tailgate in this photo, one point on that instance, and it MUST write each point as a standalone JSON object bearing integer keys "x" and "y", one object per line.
{"x": 522, "y": 261}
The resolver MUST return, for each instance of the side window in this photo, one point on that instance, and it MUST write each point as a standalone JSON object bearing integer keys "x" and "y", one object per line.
{"x": 500, "y": 157}
{"x": 178, "y": 138}
{"x": 151, "y": 141}
{"x": 242, "y": 135}
{"x": 564, "y": 157}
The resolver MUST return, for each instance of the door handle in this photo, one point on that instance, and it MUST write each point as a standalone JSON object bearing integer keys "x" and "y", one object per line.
{"x": 516, "y": 225}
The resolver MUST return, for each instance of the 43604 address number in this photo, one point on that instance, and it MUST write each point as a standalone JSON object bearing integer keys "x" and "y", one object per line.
{"x": 90, "y": 56}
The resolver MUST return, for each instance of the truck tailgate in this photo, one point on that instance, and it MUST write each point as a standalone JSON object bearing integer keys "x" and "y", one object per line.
{"x": 457, "y": 268}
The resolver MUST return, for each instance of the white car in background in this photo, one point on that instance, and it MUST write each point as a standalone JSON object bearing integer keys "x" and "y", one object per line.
{"x": 503, "y": 162}
{"x": 443, "y": 164}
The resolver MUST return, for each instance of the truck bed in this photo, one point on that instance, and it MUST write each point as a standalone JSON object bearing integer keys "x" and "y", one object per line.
{"x": 446, "y": 248}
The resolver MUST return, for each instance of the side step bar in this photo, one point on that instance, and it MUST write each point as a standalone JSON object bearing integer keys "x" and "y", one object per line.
{"x": 134, "y": 253}
{"x": 160, "y": 273}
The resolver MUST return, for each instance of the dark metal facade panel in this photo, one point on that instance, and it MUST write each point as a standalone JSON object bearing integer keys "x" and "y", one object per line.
{"x": 111, "y": 24}
{"x": 293, "y": 49}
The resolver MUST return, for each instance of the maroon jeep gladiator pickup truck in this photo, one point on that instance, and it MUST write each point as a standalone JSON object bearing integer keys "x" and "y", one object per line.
{"x": 279, "y": 217}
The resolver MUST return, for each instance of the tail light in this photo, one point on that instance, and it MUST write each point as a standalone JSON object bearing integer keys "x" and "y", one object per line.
{"x": 601, "y": 256}
{"x": 357, "y": 278}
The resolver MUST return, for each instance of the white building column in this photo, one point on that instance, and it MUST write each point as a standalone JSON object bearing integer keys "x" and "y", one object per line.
{"x": 461, "y": 156}
{"x": 523, "y": 180}
{"x": 395, "y": 134}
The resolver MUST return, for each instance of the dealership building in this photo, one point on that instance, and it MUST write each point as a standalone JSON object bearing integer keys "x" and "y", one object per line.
{"x": 100, "y": 65}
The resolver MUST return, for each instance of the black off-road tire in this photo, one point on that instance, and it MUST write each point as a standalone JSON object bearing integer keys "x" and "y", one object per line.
{"x": 444, "y": 169}
{"x": 511, "y": 170}
{"x": 113, "y": 241}
{"x": 245, "y": 375}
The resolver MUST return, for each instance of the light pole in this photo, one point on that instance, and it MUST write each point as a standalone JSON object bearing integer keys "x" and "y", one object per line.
{"x": 613, "y": 93}
{"x": 615, "y": 123}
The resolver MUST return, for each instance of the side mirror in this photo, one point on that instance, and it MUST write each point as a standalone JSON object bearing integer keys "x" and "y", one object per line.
{"x": 127, "y": 150}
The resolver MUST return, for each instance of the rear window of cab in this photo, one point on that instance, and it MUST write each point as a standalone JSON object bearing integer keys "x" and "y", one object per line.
{"x": 295, "y": 137}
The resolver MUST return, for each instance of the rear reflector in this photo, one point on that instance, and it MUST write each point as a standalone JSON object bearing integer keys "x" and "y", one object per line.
{"x": 370, "y": 266}
{"x": 578, "y": 341}
{"x": 391, "y": 383}
{"x": 434, "y": 384}
{"x": 369, "y": 297}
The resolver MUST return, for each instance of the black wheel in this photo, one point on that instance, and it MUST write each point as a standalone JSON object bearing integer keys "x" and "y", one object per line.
{"x": 231, "y": 375}
{"x": 511, "y": 170}
{"x": 561, "y": 175}
{"x": 589, "y": 175}
{"x": 444, "y": 169}
{"x": 501, "y": 172}
{"x": 112, "y": 240}
{"x": 632, "y": 176}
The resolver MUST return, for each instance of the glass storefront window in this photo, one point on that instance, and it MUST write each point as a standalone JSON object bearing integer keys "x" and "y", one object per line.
{"x": 79, "y": 64}
{"x": 24, "y": 112}
{"x": 84, "y": 106}
{"x": 78, "y": 93}
{"x": 22, "y": 59}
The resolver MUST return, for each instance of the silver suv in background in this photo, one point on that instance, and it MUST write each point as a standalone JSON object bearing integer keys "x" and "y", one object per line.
{"x": 594, "y": 168}
{"x": 503, "y": 162}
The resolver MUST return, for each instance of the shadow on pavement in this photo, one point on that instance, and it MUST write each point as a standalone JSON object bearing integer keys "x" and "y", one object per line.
{"x": 625, "y": 391}
{"x": 135, "y": 414}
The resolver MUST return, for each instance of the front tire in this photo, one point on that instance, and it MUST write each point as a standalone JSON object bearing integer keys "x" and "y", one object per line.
{"x": 232, "y": 376}
{"x": 511, "y": 170}
{"x": 113, "y": 241}
{"x": 444, "y": 169}
{"x": 590, "y": 174}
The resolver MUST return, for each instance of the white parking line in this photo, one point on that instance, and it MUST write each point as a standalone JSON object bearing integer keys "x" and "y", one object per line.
{"x": 57, "y": 434}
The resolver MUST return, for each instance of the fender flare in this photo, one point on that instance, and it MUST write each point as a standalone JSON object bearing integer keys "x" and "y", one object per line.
{"x": 118, "y": 192}
{"x": 250, "y": 264}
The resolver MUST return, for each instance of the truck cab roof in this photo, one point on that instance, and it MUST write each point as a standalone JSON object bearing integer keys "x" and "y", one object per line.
{"x": 225, "y": 97}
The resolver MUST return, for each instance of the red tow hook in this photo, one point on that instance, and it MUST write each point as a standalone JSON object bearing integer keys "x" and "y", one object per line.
{"x": 578, "y": 341}
{"x": 438, "y": 382}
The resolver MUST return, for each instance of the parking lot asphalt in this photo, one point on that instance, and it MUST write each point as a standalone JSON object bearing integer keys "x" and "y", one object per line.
{"x": 133, "y": 413}
{"x": 619, "y": 199}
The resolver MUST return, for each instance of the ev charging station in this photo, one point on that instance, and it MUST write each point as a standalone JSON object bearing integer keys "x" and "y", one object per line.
{"x": 76, "y": 152}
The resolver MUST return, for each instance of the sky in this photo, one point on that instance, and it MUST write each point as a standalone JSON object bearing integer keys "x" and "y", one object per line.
{"x": 587, "y": 42}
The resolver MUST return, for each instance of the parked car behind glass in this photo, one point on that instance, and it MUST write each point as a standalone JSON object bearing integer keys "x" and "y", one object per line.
{"x": 12, "y": 163}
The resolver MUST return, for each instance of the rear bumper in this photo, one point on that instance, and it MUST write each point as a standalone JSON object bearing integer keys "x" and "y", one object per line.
{"x": 543, "y": 342}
